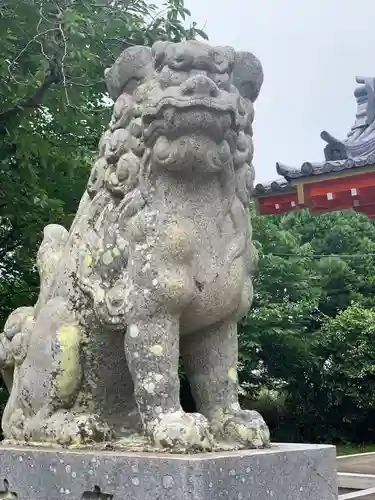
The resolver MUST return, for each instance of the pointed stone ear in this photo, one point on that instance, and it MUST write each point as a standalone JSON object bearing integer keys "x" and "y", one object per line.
{"x": 135, "y": 63}
{"x": 247, "y": 75}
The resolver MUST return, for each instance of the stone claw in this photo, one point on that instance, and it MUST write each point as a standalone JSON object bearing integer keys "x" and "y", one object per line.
{"x": 245, "y": 427}
{"x": 84, "y": 429}
{"x": 67, "y": 429}
{"x": 181, "y": 431}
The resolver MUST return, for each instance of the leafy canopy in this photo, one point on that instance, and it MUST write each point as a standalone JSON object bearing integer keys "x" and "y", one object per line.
{"x": 307, "y": 345}
{"x": 52, "y": 112}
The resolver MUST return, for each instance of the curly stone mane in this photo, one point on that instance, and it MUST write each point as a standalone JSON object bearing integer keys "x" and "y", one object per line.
{"x": 158, "y": 263}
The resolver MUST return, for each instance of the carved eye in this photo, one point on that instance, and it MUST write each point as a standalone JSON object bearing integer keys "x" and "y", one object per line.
{"x": 181, "y": 61}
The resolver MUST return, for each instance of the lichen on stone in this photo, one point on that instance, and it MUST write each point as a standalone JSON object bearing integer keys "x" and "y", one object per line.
{"x": 158, "y": 263}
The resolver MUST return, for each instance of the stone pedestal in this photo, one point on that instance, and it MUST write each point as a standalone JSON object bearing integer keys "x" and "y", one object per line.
{"x": 284, "y": 472}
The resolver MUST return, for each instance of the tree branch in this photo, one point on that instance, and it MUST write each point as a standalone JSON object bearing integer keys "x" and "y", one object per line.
{"x": 35, "y": 100}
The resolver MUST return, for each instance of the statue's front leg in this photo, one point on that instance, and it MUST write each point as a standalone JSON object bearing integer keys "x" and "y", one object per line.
{"x": 210, "y": 359}
{"x": 152, "y": 351}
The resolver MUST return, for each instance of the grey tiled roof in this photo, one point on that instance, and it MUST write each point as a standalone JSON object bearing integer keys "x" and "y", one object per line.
{"x": 270, "y": 187}
{"x": 356, "y": 150}
{"x": 309, "y": 169}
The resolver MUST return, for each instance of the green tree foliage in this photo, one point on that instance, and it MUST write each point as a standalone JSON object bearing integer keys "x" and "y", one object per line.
{"x": 286, "y": 295}
{"x": 341, "y": 234}
{"x": 310, "y": 335}
{"x": 52, "y": 59}
{"x": 307, "y": 345}
{"x": 345, "y": 397}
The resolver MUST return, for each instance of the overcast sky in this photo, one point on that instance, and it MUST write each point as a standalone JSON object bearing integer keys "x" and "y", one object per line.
{"x": 311, "y": 52}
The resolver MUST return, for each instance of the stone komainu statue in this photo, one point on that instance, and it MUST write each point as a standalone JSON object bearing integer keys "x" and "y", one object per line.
{"x": 157, "y": 264}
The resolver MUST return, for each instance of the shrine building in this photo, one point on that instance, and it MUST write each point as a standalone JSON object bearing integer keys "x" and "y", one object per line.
{"x": 344, "y": 180}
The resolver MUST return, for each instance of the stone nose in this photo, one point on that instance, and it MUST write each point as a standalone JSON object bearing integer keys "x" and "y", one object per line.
{"x": 200, "y": 86}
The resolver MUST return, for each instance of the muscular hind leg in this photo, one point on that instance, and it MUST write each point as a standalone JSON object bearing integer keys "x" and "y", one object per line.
{"x": 210, "y": 359}
{"x": 49, "y": 379}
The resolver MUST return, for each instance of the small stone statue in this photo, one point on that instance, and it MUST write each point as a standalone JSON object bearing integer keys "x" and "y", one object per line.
{"x": 158, "y": 263}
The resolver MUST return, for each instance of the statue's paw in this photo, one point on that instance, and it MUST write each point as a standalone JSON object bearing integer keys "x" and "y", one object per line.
{"x": 245, "y": 427}
{"x": 83, "y": 430}
{"x": 181, "y": 431}
{"x": 67, "y": 429}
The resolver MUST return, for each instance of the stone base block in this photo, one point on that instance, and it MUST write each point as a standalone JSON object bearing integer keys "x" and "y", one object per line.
{"x": 284, "y": 472}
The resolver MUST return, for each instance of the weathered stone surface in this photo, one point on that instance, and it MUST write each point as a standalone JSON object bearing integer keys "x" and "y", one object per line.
{"x": 158, "y": 263}
{"x": 284, "y": 472}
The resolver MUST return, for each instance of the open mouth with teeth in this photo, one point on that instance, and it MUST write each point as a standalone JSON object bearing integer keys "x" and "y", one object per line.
{"x": 174, "y": 118}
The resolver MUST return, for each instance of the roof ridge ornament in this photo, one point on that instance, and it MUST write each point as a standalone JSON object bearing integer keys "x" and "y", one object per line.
{"x": 328, "y": 185}
{"x": 335, "y": 149}
{"x": 368, "y": 85}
